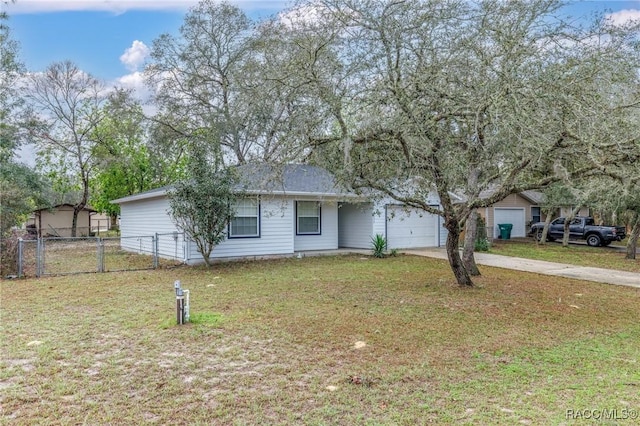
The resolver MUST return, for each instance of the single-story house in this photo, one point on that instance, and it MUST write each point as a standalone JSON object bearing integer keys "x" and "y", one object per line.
{"x": 283, "y": 212}
{"x": 57, "y": 221}
{"x": 520, "y": 210}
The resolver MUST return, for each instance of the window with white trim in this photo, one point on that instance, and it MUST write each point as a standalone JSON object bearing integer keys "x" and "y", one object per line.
{"x": 246, "y": 220}
{"x": 307, "y": 218}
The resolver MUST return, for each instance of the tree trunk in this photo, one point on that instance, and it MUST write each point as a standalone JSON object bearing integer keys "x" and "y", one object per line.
{"x": 632, "y": 244}
{"x": 567, "y": 223}
{"x": 82, "y": 204}
{"x": 470, "y": 236}
{"x": 114, "y": 221}
{"x": 471, "y": 226}
{"x": 204, "y": 249}
{"x": 565, "y": 235}
{"x": 462, "y": 276}
{"x": 74, "y": 222}
{"x": 207, "y": 259}
{"x": 545, "y": 231}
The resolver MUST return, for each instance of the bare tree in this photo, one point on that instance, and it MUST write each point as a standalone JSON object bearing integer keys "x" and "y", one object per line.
{"x": 66, "y": 108}
{"x": 229, "y": 82}
{"x": 205, "y": 80}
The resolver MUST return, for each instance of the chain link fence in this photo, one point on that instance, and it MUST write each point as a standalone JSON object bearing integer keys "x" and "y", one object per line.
{"x": 117, "y": 257}
{"x": 170, "y": 246}
{"x": 64, "y": 256}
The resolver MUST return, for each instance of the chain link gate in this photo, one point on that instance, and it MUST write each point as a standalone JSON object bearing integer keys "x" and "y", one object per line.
{"x": 128, "y": 253}
{"x": 170, "y": 248}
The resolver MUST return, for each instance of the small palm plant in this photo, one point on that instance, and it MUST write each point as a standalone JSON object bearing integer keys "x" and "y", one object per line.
{"x": 379, "y": 244}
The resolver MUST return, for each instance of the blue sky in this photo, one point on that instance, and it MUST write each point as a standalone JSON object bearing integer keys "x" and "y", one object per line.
{"x": 95, "y": 34}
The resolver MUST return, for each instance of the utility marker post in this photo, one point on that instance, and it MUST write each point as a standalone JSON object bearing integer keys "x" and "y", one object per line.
{"x": 182, "y": 303}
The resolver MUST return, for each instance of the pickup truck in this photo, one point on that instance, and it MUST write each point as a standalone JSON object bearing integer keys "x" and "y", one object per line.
{"x": 580, "y": 228}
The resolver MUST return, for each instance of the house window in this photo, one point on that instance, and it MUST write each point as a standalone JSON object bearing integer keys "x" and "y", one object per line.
{"x": 246, "y": 222}
{"x": 535, "y": 215}
{"x": 307, "y": 218}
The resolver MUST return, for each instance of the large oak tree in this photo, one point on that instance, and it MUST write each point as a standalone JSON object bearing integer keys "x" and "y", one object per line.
{"x": 470, "y": 98}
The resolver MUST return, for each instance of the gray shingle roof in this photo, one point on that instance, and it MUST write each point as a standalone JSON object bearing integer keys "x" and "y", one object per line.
{"x": 263, "y": 178}
{"x": 533, "y": 196}
{"x": 288, "y": 178}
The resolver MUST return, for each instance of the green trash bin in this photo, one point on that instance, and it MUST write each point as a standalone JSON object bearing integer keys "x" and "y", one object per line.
{"x": 505, "y": 230}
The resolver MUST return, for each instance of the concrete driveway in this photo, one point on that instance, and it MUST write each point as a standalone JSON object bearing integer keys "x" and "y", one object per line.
{"x": 608, "y": 276}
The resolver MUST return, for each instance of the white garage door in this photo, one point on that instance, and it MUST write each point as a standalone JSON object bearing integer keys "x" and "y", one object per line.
{"x": 411, "y": 228}
{"x": 514, "y": 216}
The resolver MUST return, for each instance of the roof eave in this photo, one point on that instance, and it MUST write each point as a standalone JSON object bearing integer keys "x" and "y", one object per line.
{"x": 139, "y": 197}
{"x": 332, "y": 195}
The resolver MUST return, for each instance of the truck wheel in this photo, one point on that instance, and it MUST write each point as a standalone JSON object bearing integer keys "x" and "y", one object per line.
{"x": 594, "y": 240}
{"x": 539, "y": 235}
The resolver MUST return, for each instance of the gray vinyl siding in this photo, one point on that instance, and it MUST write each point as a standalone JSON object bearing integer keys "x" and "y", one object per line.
{"x": 379, "y": 215}
{"x": 328, "y": 238}
{"x": 141, "y": 220}
{"x": 276, "y": 216}
{"x": 355, "y": 225}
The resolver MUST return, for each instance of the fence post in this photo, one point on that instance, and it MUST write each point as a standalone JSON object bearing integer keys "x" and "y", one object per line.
{"x": 155, "y": 251}
{"x": 100, "y": 251}
{"x": 20, "y": 253}
{"x": 39, "y": 260}
{"x": 186, "y": 244}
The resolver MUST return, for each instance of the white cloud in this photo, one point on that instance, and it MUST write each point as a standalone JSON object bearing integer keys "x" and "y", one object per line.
{"x": 623, "y": 17}
{"x": 121, "y": 6}
{"x": 134, "y": 56}
{"x": 135, "y": 82}
{"x": 301, "y": 15}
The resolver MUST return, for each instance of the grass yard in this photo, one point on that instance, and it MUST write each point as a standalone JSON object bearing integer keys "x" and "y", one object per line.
{"x": 575, "y": 254}
{"x": 333, "y": 340}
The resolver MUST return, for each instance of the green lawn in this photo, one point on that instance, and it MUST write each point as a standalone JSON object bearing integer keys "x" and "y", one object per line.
{"x": 334, "y": 340}
{"x": 574, "y": 254}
